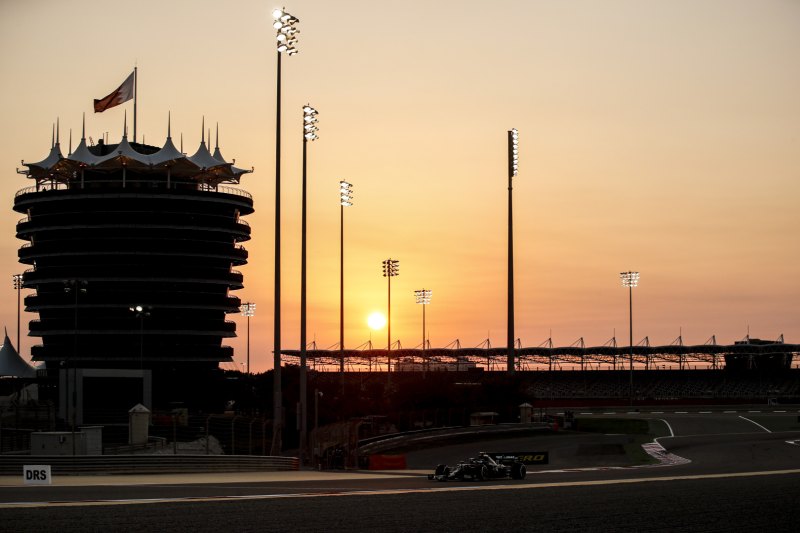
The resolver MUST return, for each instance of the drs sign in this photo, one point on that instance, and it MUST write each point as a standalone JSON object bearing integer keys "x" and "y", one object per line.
{"x": 36, "y": 474}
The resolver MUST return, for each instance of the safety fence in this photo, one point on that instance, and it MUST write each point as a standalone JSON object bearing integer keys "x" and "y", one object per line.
{"x": 147, "y": 464}
{"x": 17, "y": 422}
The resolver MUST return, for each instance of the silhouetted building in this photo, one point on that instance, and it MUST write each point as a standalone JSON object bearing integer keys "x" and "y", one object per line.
{"x": 758, "y": 354}
{"x": 133, "y": 250}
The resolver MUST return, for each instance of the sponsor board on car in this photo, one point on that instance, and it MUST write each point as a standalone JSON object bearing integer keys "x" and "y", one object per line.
{"x": 527, "y": 458}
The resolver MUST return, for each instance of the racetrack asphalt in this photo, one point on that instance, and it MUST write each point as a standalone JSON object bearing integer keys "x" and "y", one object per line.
{"x": 732, "y": 455}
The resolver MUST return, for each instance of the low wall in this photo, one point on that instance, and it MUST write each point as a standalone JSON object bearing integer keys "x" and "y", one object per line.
{"x": 148, "y": 464}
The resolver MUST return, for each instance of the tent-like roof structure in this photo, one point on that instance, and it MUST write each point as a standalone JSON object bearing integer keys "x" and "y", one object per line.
{"x": 201, "y": 167}
{"x": 11, "y": 364}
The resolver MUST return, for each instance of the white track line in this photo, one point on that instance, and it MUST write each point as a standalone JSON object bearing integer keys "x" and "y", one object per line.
{"x": 459, "y": 488}
{"x": 671, "y": 433}
{"x": 756, "y": 423}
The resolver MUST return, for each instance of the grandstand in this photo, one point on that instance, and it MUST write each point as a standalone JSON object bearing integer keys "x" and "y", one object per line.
{"x": 748, "y": 354}
{"x": 666, "y": 385}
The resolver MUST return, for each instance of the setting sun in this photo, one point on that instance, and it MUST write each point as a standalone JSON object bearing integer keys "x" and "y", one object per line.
{"x": 376, "y": 320}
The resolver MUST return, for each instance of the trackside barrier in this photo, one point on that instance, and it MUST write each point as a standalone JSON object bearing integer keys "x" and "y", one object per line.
{"x": 387, "y": 462}
{"x": 149, "y": 464}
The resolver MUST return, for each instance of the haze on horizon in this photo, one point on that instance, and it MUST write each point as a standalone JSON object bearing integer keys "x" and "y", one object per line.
{"x": 662, "y": 137}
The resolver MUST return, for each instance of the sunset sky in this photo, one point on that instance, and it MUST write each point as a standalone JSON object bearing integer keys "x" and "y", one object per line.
{"x": 657, "y": 136}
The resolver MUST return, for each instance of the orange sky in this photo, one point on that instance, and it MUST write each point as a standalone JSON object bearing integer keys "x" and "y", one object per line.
{"x": 662, "y": 137}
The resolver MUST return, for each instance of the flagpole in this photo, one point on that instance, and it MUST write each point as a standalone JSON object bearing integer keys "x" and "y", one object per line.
{"x": 135, "y": 85}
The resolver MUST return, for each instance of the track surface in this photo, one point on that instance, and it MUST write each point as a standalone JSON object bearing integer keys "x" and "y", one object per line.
{"x": 744, "y": 474}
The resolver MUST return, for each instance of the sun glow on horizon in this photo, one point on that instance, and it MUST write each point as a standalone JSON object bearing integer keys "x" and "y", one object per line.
{"x": 376, "y": 320}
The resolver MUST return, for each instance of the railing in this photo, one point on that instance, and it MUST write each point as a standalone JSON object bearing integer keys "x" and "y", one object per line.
{"x": 239, "y": 435}
{"x": 60, "y": 300}
{"x": 26, "y": 190}
{"x": 130, "y": 184}
{"x": 212, "y": 249}
{"x": 58, "y": 274}
{"x": 148, "y": 464}
{"x": 93, "y": 324}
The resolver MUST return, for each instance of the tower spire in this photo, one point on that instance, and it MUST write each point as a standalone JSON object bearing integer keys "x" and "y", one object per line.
{"x": 169, "y": 124}
{"x": 83, "y": 127}
{"x": 58, "y": 130}
{"x": 216, "y": 141}
{"x": 125, "y": 126}
{"x": 203, "y": 131}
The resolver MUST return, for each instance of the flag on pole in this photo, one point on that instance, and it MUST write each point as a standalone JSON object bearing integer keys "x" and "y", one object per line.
{"x": 122, "y": 94}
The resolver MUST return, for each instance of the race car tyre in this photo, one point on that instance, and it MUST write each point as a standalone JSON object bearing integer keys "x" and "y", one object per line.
{"x": 439, "y": 470}
{"x": 483, "y": 473}
{"x": 518, "y": 471}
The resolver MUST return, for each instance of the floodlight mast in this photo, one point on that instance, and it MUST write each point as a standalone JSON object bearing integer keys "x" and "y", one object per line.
{"x": 286, "y": 41}
{"x": 513, "y": 170}
{"x": 630, "y": 280}
{"x": 423, "y": 297}
{"x": 248, "y": 310}
{"x": 76, "y": 287}
{"x": 391, "y": 268}
{"x": 345, "y": 200}
{"x": 310, "y": 130}
{"x": 18, "y": 286}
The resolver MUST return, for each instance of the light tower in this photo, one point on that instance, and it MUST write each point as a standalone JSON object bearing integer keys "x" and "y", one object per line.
{"x": 391, "y": 268}
{"x": 423, "y": 297}
{"x": 345, "y": 200}
{"x": 309, "y": 134}
{"x": 630, "y": 280}
{"x": 18, "y": 286}
{"x": 141, "y": 313}
{"x": 513, "y": 169}
{"x": 76, "y": 287}
{"x": 286, "y": 41}
{"x": 248, "y": 310}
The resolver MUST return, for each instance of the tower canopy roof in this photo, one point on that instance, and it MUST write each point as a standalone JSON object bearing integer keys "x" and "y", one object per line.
{"x": 202, "y": 166}
{"x": 11, "y": 364}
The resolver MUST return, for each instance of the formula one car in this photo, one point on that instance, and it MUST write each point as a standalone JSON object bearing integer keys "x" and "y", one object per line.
{"x": 484, "y": 466}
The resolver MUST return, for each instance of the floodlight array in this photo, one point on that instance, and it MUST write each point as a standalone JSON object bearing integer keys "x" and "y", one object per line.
{"x": 286, "y": 33}
{"x": 310, "y": 120}
{"x": 345, "y": 193}
{"x": 629, "y": 279}
{"x": 513, "y": 152}
{"x": 391, "y": 268}
{"x": 248, "y": 309}
{"x": 423, "y": 296}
